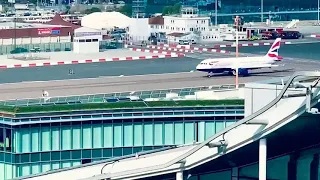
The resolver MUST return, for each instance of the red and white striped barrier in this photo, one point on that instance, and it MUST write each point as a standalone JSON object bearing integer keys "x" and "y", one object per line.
{"x": 90, "y": 61}
{"x": 315, "y": 35}
{"x": 165, "y": 53}
{"x": 150, "y": 51}
{"x": 210, "y": 50}
{"x": 226, "y": 45}
{"x": 192, "y": 49}
{"x": 170, "y": 49}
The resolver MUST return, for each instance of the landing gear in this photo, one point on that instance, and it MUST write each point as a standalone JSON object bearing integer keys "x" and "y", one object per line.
{"x": 230, "y": 73}
{"x": 71, "y": 71}
{"x": 241, "y": 72}
{"x": 234, "y": 72}
{"x": 210, "y": 74}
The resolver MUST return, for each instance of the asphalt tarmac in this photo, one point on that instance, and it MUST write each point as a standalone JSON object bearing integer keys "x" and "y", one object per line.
{"x": 126, "y": 83}
{"x": 114, "y": 76}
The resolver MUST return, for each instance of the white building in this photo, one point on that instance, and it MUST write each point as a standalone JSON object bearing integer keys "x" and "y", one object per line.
{"x": 139, "y": 29}
{"x": 188, "y": 25}
{"x": 86, "y": 40}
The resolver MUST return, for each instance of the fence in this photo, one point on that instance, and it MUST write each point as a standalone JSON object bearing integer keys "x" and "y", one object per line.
{"x": 96, "y": 98}
{"x": 51, "y": 47}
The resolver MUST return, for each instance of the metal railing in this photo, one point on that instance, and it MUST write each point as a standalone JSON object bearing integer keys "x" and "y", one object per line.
{"x": 121, "y": 116}
{"x": 98, "y": 98}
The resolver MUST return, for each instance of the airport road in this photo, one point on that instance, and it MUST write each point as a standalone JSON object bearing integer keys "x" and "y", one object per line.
{"x": 128, "y": 83}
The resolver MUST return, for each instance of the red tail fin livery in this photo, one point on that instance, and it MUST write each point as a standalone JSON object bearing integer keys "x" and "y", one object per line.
{"x": 273, "y": 52}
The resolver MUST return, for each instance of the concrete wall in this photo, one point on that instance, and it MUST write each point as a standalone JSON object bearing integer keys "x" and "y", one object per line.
{"x": 86, "y": 47}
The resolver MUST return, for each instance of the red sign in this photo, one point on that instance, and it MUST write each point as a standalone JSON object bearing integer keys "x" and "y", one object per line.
{"x": 47, "y": 31}
{"x": 44, "y": 31}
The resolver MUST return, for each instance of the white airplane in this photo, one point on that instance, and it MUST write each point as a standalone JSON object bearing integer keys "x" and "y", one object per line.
{"x": 221, "y": 65}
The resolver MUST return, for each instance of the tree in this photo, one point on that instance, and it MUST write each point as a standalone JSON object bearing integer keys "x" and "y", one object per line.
{"x": 92, "y": 10}
{"x": 126, "y": 10}
{"x": 67, "y": 11}
{"x": 5, "y": 9}
{"x": 171, "y": 9}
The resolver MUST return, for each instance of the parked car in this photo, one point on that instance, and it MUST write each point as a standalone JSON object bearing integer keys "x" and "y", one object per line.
{"x": 290, "y": 34}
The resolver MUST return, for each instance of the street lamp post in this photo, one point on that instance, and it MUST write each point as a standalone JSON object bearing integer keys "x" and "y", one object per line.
{"x": 318, "y": 11}
{"x": 261, "y": 10}
{"x": 15, "y": 31}
{"x": 14, "y": 26}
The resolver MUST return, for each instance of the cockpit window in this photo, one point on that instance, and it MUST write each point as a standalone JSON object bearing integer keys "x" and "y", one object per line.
{"x": 213, "y": 62}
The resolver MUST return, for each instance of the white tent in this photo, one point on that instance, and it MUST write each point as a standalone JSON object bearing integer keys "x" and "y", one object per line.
{"x": 105, "y": 20}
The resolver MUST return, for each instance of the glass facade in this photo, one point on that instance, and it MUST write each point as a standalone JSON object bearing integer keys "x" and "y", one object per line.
{"x": 33, "y": 146}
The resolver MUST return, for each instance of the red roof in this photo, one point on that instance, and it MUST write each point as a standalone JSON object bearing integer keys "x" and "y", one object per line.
{"x": 156, "y": 20}
{"x": 57, "y": 20}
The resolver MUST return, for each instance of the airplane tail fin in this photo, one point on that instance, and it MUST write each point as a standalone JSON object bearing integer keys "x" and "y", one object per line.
{"x": 273, "y": 52}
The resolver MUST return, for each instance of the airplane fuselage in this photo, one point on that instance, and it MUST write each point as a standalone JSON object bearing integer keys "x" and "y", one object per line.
{"x": 229, "y": 64}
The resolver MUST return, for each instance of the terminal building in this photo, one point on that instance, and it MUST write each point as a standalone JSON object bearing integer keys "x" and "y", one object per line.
{"x": 276, "y": 140}
{"x": 38, "y": 142}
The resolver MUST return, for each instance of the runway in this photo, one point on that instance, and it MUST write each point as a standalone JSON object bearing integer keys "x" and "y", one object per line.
{"x": 129, "y": 83}
{"x": 94, "y": 70}
{"x": 105, "y": 76}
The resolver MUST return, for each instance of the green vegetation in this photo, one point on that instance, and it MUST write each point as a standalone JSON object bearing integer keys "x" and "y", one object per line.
{"x": 92, "y": 10}
{"x": 118, "y": 105}
{"x": 126, "y": 10}
{"x": 175, "y": 9}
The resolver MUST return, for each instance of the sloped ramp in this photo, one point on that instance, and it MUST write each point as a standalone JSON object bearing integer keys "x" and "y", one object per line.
{"x": 276, "y": 114}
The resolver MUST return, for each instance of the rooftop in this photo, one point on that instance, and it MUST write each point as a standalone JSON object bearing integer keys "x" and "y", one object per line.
{"x": 119, "y": 103}
{"x": 158, "y": 20}
{"x": 183, "y": 97}
{"x": 18, "y": 25}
